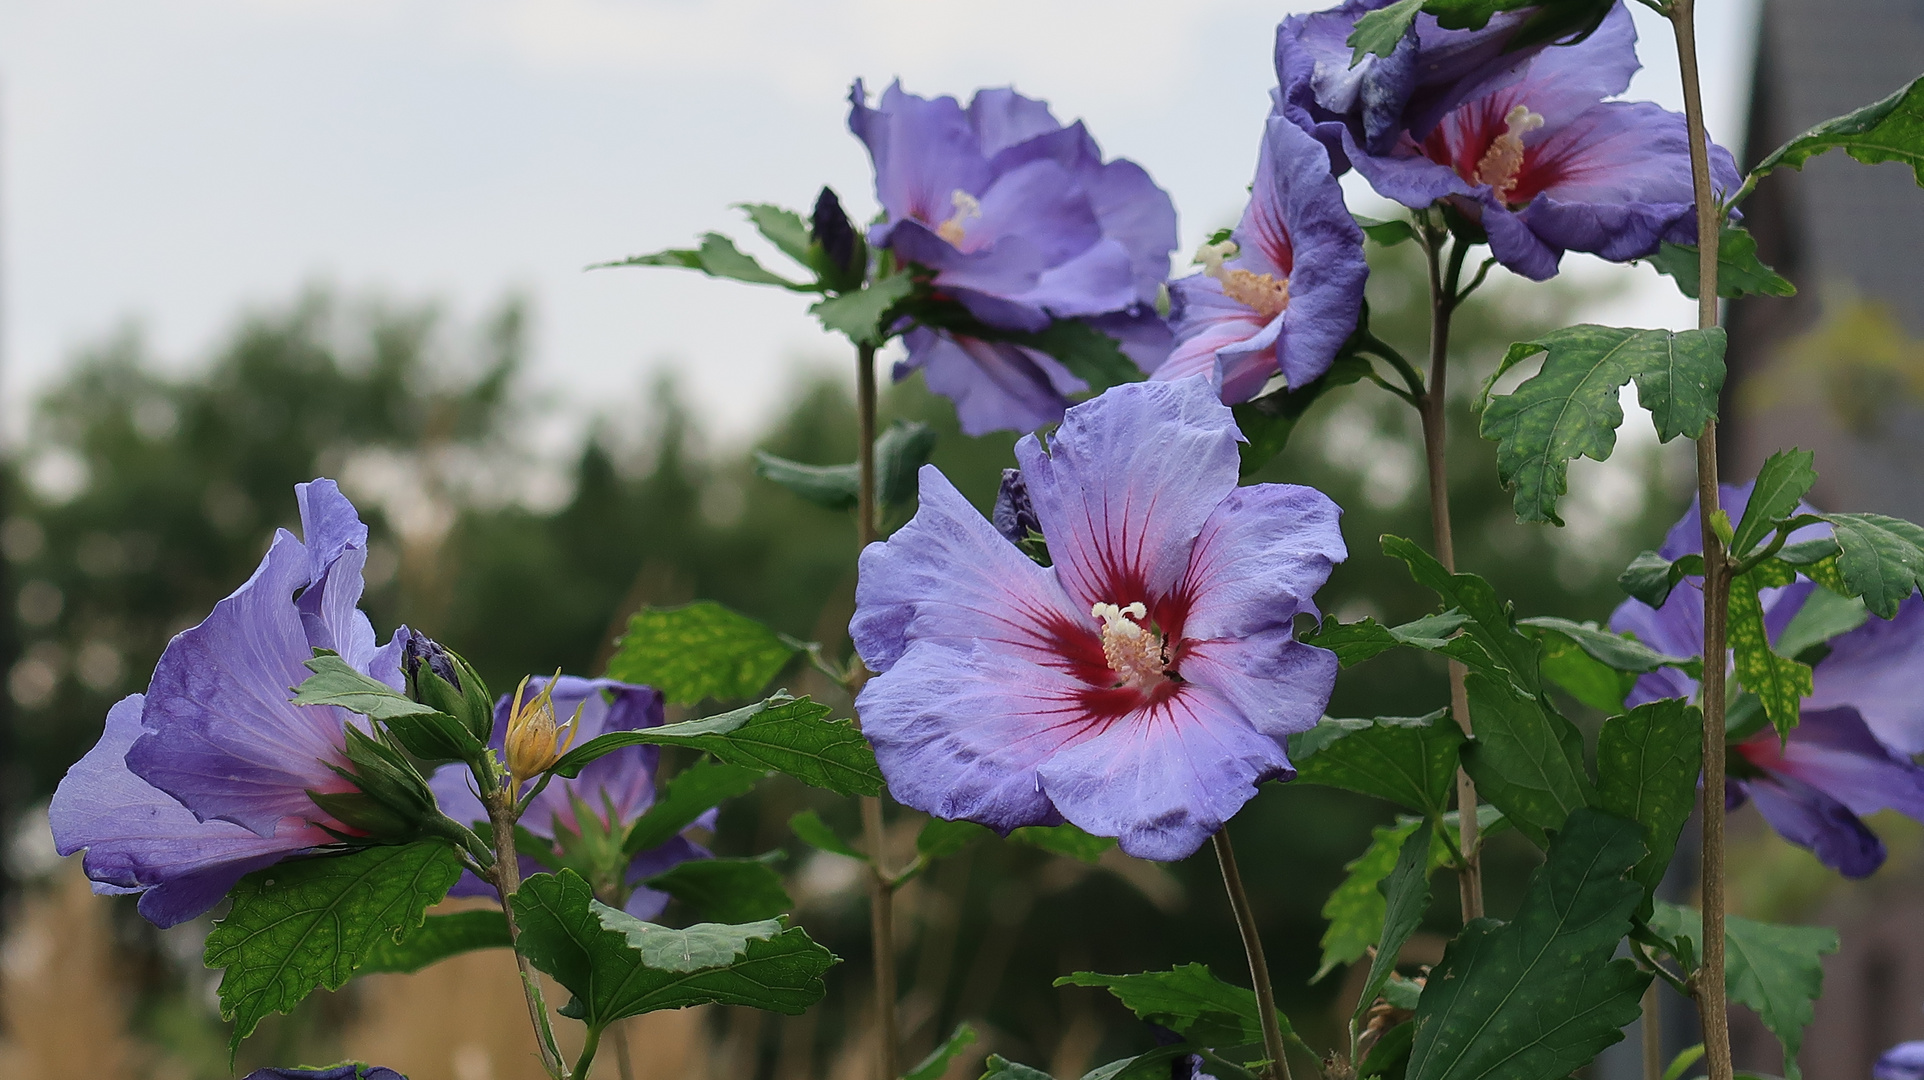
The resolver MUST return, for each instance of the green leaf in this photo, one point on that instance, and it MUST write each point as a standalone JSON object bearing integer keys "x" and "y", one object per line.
{"x": 1393, "y": 232}
{"x": 1268, "y": 421}
{"x": 863, "y": 316}
{"x": 834, "y": 487}
{"x": 1407, "y": 760}
{"x": 937, "y": 1063}
{"x": 1187, "y": 1000}
{"x": 1780, "y": 486}
{"x": 1065, "y": 840}
{"x": 1739, "y": 271}
{"x": 698, "y": 651}
{"x": 1570, "y": 408}
{"x": 1650, "y": 576}
{"x": 998, "y": 1067}
{"x": 1526, "y": 761}
{"x": 1889, "y": 130}
{"x": 693, "y": 792}
{"x": 900, "y": 452}
{"x": 1356, "y": 642}
{"x": 1777, "y": 971}
{"x": 813, "y": 831}
{"x": 1406, "y": 897}
{"x": 335, "y": 683}
{"x": 1356, "y": 908}
{"x": 1881, "y": 559}
{"x": 616, "y": 965}
{"x": 309, "y": 923}
{"x": 1562, "y": 21}
{"x": 1825, "y": 615}
{"x": 1389, "y": 1055}
{"x": 1780, "y": 683}
{"x": 783, "y": 228}
{"x": 1381, "y": 30}
{"x": 726, "y": 890}
{"x": 940, "y": 839}
{"x": 1540, "y": 996}
{"x": 1492, "y": 623}
{"x": 1619, "y": 651}
{"x": 717, "y": 257}
{"x": 783, "y": 734}
{"x": 1648, "y": 761}
{"x": 1587, "y": 679}
{"x": 437, "y": 938}
{"x": 1680, "y": 1064}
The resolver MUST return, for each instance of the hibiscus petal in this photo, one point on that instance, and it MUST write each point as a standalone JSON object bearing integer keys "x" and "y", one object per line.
{"x": 1003, "y": 118}
{"x": 1874, "y": 669}
{"x": 1811, "y": 819}
{"x": 1139, "y": 215}
{"x": 1126, "y": 485}
{"x": 1163, "y": 779}
{"x": 948, "y": 577}
{"x": 1262, "y": 554}
{"x": 960, "y": 731}
{"x": 1327, "y": 275}
{"x": 996, "y": 385}
{"x": 1832, "y": 750}
{"x": 1278, "y": 683}
{"x": 645, "y": 903}
{"x": 924, "y": 151}
{"x": 1206, "y": 323}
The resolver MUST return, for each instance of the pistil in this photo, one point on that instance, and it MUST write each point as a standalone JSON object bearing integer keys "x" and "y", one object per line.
{"x": 1503, "y": 161}
{"x": 1134, "y": 652}
{"x": 967, "y": 208}
{"x": 1264, "y": 294}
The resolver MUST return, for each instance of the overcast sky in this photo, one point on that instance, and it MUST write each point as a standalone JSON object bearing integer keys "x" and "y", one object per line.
{"x": 167, "y": 162}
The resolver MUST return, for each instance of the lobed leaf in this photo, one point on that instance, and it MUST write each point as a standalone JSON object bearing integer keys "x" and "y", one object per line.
{"x": 1491, "y": 625}
{"x": 1380, "y": 31}
{"x": 615, "y": 965}
{"x": 693, "y": 792}
{"x": 698, "y": 651}
{"x": 833, "y": 487}
{"x": 1187, "y": 1000}
{"x": 1823, "y": 616}
{"x": 1540, "y": 996}
{"x": 1650, "y": 576}
{"x": 1526, "y": 760}
{"x": 1619, "y": 651}
{"x": 864, "y": 316}
{"x": 1570, "y": 408}
{"x": 334, "y": 682}
{"x": 1739, "y": 271}
{"x": 1356, "y": 642}
{"x": 782, "y": 227}
{"x": 726, "y": 890}
{"x": 1648, "y": 761}
{"x": 1887, "y": 130}
{"x": 308, "y": 923}
{"x": 1407, "y": 760}
{"x": 1777, "y": 971}
{"x": 1356, "y": 907}
{"x": 437, "y": 938}
{"x": 1879, "y": 558}
{"x": 782, "y": 734}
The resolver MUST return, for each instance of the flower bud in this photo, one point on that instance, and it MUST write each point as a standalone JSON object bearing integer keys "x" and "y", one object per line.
{"x": 1014, "y": 517}
{"x": 393, "y": 803}
{"x": 441, "y": 679}
{"x": 534, "y": 741}
{"x": 843, "y": 261}
{"x": 420, "y": 651}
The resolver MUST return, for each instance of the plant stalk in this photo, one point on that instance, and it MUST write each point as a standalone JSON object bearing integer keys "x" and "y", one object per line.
{"x": 507, "y": 881}
{"x": 1652, "y": 1034}
{"x": 587, "y": 1058}
{"x": 882, "y": 882}
{"x": 1444, "y": 298}
{"x": 1258, "y": 967}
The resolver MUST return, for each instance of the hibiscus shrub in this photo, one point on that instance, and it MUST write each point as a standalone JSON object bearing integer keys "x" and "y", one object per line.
{"x": 1128, "y": 646}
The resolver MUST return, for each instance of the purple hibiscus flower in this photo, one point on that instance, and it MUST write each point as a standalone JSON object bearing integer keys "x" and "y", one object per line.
{"x": 1284, "y": 292}
{"x": 1021, "y": 222}
{"x": 1849, "y": 754}
{"x": 1905, "y": 1061}
{"x": 1534, "y": 152}
{"x": 614, "y": 790}
{"x": 1143, "y": 685}
{"x": 206, "y": 776}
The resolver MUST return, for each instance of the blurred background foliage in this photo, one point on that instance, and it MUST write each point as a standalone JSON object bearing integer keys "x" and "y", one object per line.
{"x": 152, "y": 491}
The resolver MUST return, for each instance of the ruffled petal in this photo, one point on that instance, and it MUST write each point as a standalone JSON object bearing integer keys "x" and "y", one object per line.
{"x": 1833, "y": 751}
{"x": 1812, "y": 819}
{"x": 959, "y": 731}
{"x": 1874, "y": 669}
{"x": 1327, "y": 275}
{"x": 1208, "y": 322}
{"x": 1280, "y": 685}
{"x": 948, "y": 577}
{"x": 1163, "y": 779}
{"x": 924, "y": 151}
{"x": 996, "y": 385}
{"x": 1258, "y": 560}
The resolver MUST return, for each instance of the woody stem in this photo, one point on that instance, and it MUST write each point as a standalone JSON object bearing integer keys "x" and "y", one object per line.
{"x": 1258, "y": 967}
{"x": 507, "y": 881}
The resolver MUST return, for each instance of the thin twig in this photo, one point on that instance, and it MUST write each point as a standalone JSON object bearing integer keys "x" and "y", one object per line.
{"x": 1253, "y": 947}
{"x": 507, "y": 882}
{"x": 1709, "y": 982}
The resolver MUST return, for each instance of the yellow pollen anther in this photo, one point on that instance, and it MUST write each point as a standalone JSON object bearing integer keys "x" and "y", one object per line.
{"x": 1134, "y": 652}
{"x": 967, "y": 209}
{"x": 1261, "y": 293}
{"x": 1504, "y": 159}
{"x": 533, "y": 742}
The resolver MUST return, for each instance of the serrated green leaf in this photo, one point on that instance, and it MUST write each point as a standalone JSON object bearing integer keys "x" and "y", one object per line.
{"x": 997, "y": 1067}
{"x": 1621, "y": 652}
{"x": 1823, "y": 616}
{"x": 1406, "y": 896}
{"x": 1380, "y": 31}
{"x": 693, "y": 792}
{"x": 937, "y": 1063}
{"x": 813, "y": 831}
{"x": 940, "y": 839}
{"x": 308, "y": 923}
{"x": 1887, "y": 130}
{"x": 1356, "y": 642}
{"x": 698, "y": 651}
{"x": 1570, "y": 408}
{"x": 1648, "y": 761}
{"x": 1407, "y": 760}
{"x": 1065, "y": 840}
{"x": 1780, "y": 683}
{"x": 1492, "y": 622}
{"x": 1650, "y": 576}
{"x": 1739, "y": 271}
{"x": 726, "y": 890}
{"x": 616, "y": 965}
{"x": 1356, "y": 908}
{"x": 863, "y": 316}
{"x": 1780, "y": 487}
{"x": 781, "y": 227}
{"x": 436, "y": 939}
{"x": 833, "y": 487}
{"x": 1775, "y": 970}
{"x": 782, "y": 734}
{"x": 1269, "y": 421}
{"x": 1526, "y": 760}
{"x": 1187, "y": 1000}
{"x": 717, "y": 257}
{"x": 336, "y": 683}
{"x": 1880, "y": 559}
{"x": 1538, "y": 998}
